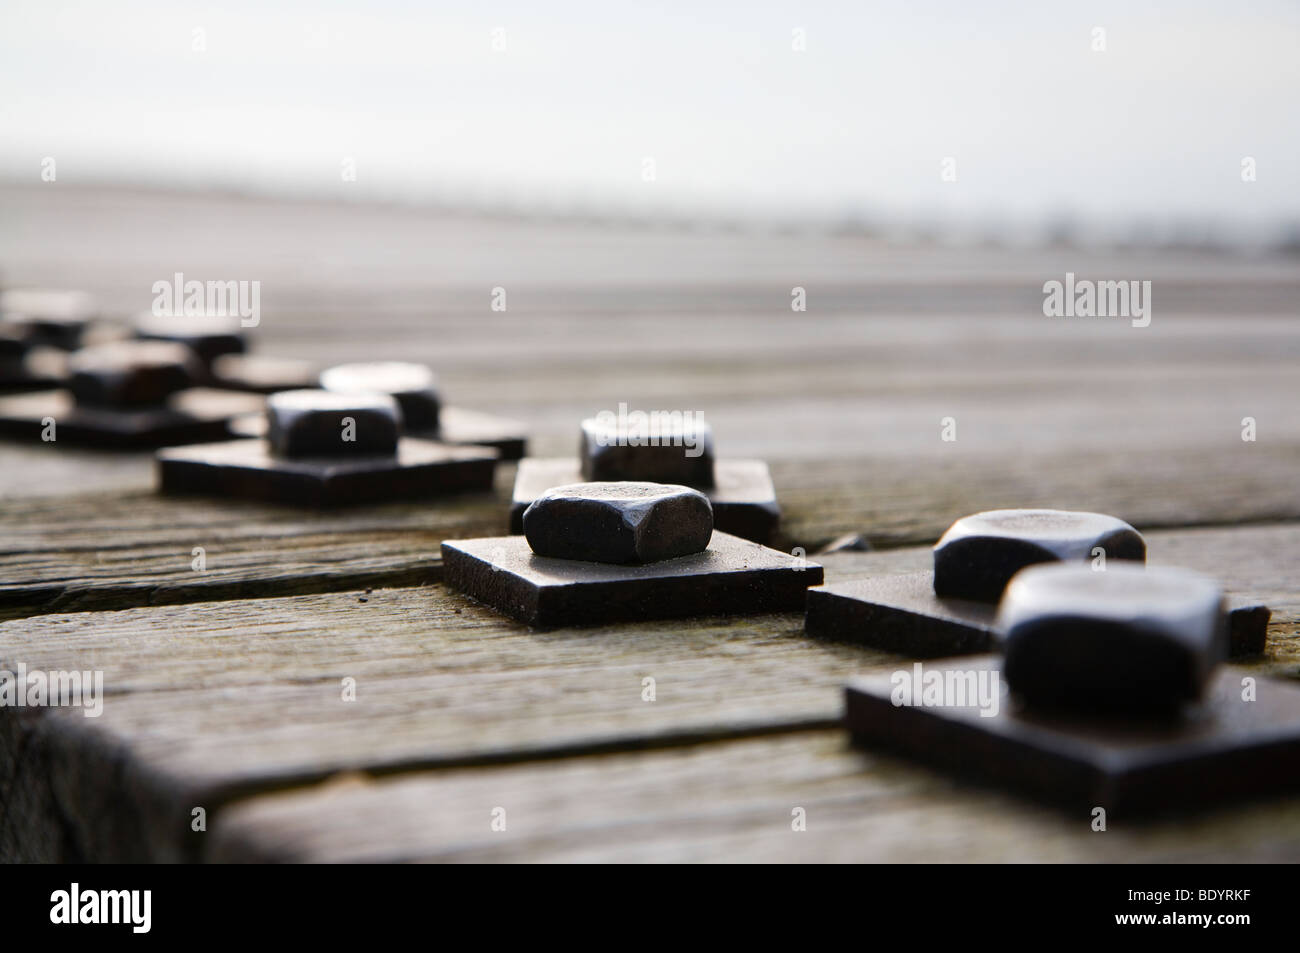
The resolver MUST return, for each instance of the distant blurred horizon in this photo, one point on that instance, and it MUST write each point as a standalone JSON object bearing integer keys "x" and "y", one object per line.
{"x": 1005, "y": 122}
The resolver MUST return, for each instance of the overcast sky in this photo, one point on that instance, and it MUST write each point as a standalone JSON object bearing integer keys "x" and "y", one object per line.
{"x": 1154, "y": 128}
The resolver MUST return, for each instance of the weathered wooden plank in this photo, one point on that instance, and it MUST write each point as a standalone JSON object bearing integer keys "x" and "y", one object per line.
{"x": 895, "y": 339}
{"x": 845, "y": 400}
{"x": 802, "y": 401}
{"x": 111, "y": 551}
{"x": 213, "y": 702}
{"x": 28, "y": 471}
{"x": 893, "y": 502}
{"x": 724, "y": 802}
{"x": 209, "y": 701}
{"x": 108, "y": 551}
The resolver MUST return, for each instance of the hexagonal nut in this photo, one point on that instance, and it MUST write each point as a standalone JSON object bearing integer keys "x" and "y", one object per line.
{"x": 978, "y": 555}
{"x": 52, "y": 318}
{"x": 677, "y": 452}
{"x": 413, "y": 386}
{"x": 210, "y": 336}
{"x": 126, "y": 374}
{"x": 1124, "y": 639}
{"x": 619, "y": 522}
{"x": 319, "y": 423}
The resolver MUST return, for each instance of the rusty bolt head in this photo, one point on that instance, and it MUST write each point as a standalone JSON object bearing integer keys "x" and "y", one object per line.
{"x": 319, "y": 423}
{"x": 978, "y": 555}
{"x": 619, "y": 522}
{"x": 675, "y": 453}
{"x": 126, "y": 374}
{"x": 1124, "y": 639}
{"x": 209, "y": 335}
{"x": 413, "y": 386}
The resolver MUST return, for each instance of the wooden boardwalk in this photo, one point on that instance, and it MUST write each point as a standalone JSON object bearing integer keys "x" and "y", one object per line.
{"x": 224, "y": 687}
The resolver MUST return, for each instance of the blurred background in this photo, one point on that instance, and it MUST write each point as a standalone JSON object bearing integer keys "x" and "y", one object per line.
{"x": 650, "y": 186}
{"x": 1119, "y": 119}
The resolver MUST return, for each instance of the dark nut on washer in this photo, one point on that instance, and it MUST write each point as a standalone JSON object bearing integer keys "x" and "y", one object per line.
{"x": 619, "y": 522}
{"x": 50, "y": 318}
{"x": 1124, "y": 639}
{"x": 126, "y": 374}
{"x": 318, "y": 423}
{"x": 413, "y": 386}
{"x": 676, "y": 451}
{"x": 209, "y": 335}
{"x": 978, "y": 555}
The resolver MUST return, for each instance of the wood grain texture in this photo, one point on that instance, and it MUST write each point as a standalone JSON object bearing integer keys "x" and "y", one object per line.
{"x": 894, "y": 503}
{"x": 844, "y": 400}
{"x": 225, "y": 685}
{"x": 724, "y": 802}
{"x": 211, "y": 702}
{"x": 134, "y": 549}
{"x": 124, "y": 549}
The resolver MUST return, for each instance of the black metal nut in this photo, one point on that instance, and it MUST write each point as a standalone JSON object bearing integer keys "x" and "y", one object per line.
{"x": 978, "y": 555}
{"x": 49, "y": 318}
{"x": 319, "y": 423}
{"x": 1124, "y": 639}
{"x": 210, "y": 336}
{"x": 619, "y": 522}
{"x": 675, "y": 452}
{"x": 127, "y": 374}
{"x": 413, "y": 386}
